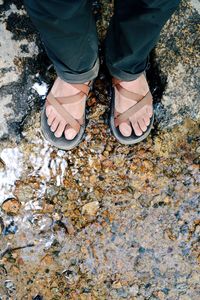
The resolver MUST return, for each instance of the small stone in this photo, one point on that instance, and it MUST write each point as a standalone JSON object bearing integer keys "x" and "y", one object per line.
{"x": 170, "y": 234}
{"x": 107, "y": 163}
{"x": 68, "y": 225}
{"x": 117, "y": 285}
{"x": 134, "y": 289}
{"x": 91, "y": 101}
{"x": 45, "y": 223}
{"x": 137, "y": 195}
{"x": 198, "y": 149}
{"x": 91, "y": 208}
{"x": 167, "y": 200}
{"x": 9, "y": 285}
{"x": 56, "y": 216}
{"x": 11, "y": 206}
{"x": 47, "y": 259}
{"x": 160, "y": 295}
{"x": 47, "y": 208}
{"x": 93, "y": 179}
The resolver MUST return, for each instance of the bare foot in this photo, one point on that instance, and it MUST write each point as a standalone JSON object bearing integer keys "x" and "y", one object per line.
{"x": 138, "y": 86}
{"x": 57, "y": 124}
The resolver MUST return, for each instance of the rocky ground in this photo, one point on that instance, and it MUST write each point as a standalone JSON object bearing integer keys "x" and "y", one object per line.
{"x": 103, "y": 221}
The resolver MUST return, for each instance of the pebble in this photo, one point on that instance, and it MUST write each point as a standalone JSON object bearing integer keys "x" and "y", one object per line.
{"x": 68, "y": 225}
{"x": 11, "y": 206}
{"x": 90, "y": 208}
{"x": 9, "y": 285}
{"x": 45, "y": 223}
{"x": 134, "y": 289}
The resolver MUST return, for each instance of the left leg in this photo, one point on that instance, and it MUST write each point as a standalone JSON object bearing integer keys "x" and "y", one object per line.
{"x": 133, "y": 32}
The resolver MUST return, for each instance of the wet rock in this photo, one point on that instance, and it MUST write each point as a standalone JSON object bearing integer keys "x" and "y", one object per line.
{"x": 91, "y": 208}
{"x": 176, "y": 56}
{"x": 11, "y": 206}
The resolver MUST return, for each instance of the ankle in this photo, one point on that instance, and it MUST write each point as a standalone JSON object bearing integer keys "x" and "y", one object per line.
{"x": 140, "y": 85}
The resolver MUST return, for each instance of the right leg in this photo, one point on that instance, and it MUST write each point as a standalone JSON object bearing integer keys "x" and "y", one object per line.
{"x": 67, "y": 29}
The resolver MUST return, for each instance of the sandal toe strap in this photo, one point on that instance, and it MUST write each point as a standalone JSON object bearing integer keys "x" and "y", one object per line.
{"x": 146, "y": 100}
{"x": 64, "y": 114}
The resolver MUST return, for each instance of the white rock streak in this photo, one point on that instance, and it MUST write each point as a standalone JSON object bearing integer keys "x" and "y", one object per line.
{"x": 12, "y": 158}
{"x": 41, "y": 89}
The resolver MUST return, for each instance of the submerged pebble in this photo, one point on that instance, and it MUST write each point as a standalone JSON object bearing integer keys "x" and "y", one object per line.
{"x": 11, "y": 206}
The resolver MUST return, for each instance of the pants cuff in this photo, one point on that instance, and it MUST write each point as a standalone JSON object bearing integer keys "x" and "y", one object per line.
{"x": 80, "y": 78}
{"x": 126, "y": 76}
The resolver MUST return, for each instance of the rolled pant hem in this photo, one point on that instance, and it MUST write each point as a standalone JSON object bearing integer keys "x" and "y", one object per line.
{"x": 125, "y": 76}
{"x": 79, "y": 78}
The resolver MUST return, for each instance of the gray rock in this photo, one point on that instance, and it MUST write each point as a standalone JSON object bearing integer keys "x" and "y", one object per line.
{"x": 22, "y": 60}
{"x": 176, "y": 57}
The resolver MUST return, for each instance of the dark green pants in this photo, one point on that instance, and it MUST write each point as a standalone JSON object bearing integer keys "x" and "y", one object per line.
{"x": 68, "y": 31}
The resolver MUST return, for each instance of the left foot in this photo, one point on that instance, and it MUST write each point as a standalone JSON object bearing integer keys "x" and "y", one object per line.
{"x": 57, "y": 124}
{"x": 141, "y": 119}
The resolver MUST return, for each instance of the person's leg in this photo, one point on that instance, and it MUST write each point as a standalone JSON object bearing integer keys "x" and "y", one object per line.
{"x": 133, "y": 32}
{"x": 68, "y": 31}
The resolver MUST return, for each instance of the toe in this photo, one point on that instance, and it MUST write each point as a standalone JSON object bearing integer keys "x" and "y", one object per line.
{"x": 70, "y": 133}
{"x": 48, "y": 110}
{"x": 149, "y": 111}
{"x": 51, "y": 118}
{"x": 54, "y": 124}
{"x": 146, "y": 119}
{"x": 125, "y": 129}
{"x": 142, "y": 125}
{"x": 59, "y": 131}
{"x": 137, "y": 129}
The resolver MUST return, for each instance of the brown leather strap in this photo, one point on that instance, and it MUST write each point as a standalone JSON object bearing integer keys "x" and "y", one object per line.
{"x": 124, "y": 92}
{"x": 116, "y": 81}
{"x": 65, "y": 115}
{"x": 70, "y": 99}
{"x": 146, "y": 100}
{"x": 128, "y": 94}
{"x": 82, "y": 87}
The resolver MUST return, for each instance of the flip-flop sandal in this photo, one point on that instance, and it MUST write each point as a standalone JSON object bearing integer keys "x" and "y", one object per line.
{"x": 117, "y": 118}
{"x": 78, "y": 124}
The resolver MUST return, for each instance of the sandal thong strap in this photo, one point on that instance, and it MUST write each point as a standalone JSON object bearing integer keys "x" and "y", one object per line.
{"x": 141, "y": 102}
{"x": 57, "y": 102}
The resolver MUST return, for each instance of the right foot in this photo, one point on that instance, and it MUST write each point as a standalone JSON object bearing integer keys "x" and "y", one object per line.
{"x": 56, "y": 122}
{"x": 140, "y": 120}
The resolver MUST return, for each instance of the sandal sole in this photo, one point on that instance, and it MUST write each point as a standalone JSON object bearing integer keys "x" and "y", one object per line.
{"x": 60, "y": 143}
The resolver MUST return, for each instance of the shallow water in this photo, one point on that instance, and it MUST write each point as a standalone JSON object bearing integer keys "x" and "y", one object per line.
{"x": 137, "y": 238}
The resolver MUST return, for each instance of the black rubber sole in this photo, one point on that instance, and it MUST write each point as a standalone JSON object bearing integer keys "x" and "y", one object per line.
{"x": 60, "y": 143}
